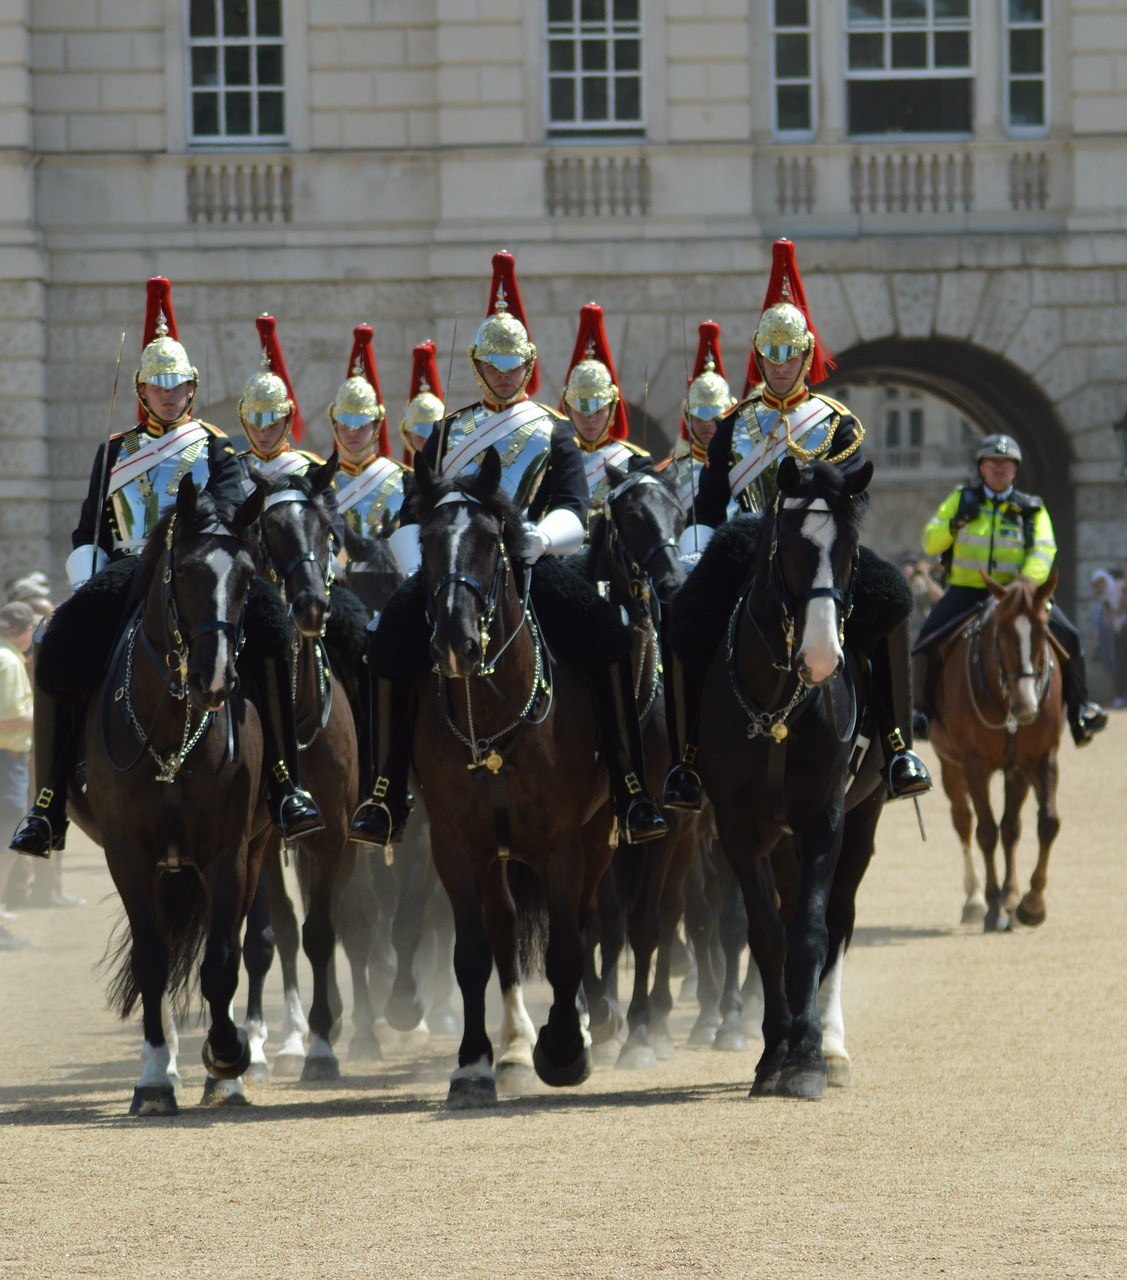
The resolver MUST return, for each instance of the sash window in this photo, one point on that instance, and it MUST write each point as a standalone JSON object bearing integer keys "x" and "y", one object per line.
{"x": 236, "y": 71}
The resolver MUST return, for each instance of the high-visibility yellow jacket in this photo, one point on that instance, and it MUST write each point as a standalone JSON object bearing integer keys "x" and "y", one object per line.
{"x": 1006, "y": 537}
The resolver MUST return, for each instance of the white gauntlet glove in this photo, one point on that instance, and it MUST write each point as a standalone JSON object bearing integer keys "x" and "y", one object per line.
{"x": 695, "y": 538}
{"x": 560, "y": 533}
{"x": 404, "y": 543}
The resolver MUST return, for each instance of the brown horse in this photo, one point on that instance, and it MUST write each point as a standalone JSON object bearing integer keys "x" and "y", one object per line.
{"x": 998, "y": 706}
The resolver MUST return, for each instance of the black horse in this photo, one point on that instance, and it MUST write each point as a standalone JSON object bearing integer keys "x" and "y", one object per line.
{"x": 782, "y": 712}
{"x": 633, "y": 548}
{"x": 173, "y": 765}
{"x": 504, "y": 747}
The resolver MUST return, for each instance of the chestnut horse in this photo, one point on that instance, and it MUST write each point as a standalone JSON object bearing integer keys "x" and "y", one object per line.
{"x": 998, "y": 706}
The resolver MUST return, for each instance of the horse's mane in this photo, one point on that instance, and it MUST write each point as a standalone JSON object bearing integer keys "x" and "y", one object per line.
{"x": 210, "y": 510}
{"x": 496, "y": 501}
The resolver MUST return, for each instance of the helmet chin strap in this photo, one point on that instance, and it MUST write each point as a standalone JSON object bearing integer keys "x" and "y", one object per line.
{"x": 799, "y": 381}
{"x": 502, "y": 402}
{"x": 353, "y": 456}
{"x": 165, "y": 423}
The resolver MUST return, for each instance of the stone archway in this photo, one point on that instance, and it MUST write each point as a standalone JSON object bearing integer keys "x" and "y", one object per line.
{"x": 995, "y": 393}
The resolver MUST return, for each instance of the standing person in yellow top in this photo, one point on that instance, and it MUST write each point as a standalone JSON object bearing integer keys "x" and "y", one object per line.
{"x": 989, "y": 526}
{"x": 17, "y": 621}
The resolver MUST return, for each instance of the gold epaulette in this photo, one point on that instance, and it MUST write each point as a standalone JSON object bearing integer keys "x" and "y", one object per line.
{"x": 207, "y": 426}
{"x": 554, "y": 413}
{"x": 635, "y": 449}
{"x": 313, "y": 458}
{"x": 661, "y": 466}
{"x": 836, "y": 405}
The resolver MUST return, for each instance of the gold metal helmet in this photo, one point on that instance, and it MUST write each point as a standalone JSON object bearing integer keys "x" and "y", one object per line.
{"x": 709, "y": 396}
{"x": 590, "y": 387}
{"x": 265, "y": 399}
{"x": 164, "y": 361}
{"x": 356, "y": 403}
{"x": 422, "y": 414}
{"x": 502, "y": 340}
{"x": 783, "y": 333}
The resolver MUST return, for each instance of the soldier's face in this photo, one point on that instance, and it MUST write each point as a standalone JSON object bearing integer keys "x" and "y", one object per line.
{"x": 168, "y": 403}
{"x": 781, "y": 377}
{"x": 357, "y": 441}
{"x": 267, "y": 439}
{"x": 504, "y": 384}
{"x": 703, "y": 428}
{"x": 998, "y": 473}
{"x": 591, "y": 426}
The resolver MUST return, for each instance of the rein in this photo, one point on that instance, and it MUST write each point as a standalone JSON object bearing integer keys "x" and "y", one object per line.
{"x": 973, "y": 634}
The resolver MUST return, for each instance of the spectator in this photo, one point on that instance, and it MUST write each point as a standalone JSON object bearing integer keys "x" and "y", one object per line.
{"x": 17, "y": 622}
{"x": 925, "y": 589}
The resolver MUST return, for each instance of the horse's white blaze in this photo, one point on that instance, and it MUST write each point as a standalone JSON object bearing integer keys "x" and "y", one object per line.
{"x": 1026, "y": 685}
{"x": 829, "y": 1007}
{"x": 213, "y": 560}
{"x": 518, "y": 1033}
{"x": 820, "y": 650}
{"x": 458, "y": 528}
{"x": 479, "y": 1070}
{"x": 158, "y": 1067}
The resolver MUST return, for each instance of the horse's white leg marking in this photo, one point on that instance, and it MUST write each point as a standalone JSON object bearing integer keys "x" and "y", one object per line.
{"x": 294, "y": 1029}
{"x": 171, "y": 1038}
{"x": 257, "y": 1036}
{"x": 829, "y": 1007}
{"x": 1026, "y": 685}
{"x": 974, "y": 908}
{"x": 158, "y": 1067}
{"x": 518, "y": 1034}
{"x": 479, "y": 1070}
{"x": 820, "y": 649}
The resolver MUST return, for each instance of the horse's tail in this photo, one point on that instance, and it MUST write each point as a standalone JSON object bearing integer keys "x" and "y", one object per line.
{"x": 532, "y": 915}
{"x": 184, "y": 906}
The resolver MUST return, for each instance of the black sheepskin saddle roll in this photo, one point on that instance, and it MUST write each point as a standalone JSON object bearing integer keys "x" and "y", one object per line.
{"x": 79, "y": 640}
{"x": 701, "y": 609}
{"x": 578, "y": 624}
{"x": 346, "y": 634}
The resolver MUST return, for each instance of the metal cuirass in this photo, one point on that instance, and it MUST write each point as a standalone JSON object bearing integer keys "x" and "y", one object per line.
{"x": 595, "y": 464}
{"x": 372, "y": 502}
{"x": 762, "y": 431}
{"x": 135, "y": 506}
{"x": 525, "y": 451}
{"x": 686, "y": 471}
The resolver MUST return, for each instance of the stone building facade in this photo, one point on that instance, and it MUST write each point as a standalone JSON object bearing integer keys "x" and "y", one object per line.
{"x": 954, "y": 173}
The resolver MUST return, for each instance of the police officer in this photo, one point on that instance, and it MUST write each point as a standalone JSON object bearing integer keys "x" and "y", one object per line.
{"x": 781, "y": 417}
{"x": 135, "y": 475}
{"x": 990, "y": 526}
{"x": 543, "y": 474}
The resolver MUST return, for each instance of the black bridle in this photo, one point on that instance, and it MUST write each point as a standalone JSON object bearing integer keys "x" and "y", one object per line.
{"x": 280, "y": 575}
{"x": 636, "y": 570}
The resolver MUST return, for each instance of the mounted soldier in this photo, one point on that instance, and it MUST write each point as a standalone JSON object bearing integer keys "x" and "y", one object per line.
{"x": 269, "y": 413}
{"x": 135, "y": 475}
{"x": 542, "y": 472}
{"x": 425, "y": 409}
{"x": 782, "y": 418}
{"x": 707, "y": 400}
{"x": 592, "y": 399}
{"x": 989, "y": 527}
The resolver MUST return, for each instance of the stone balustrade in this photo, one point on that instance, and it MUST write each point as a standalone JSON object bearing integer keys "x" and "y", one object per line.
{"x": 230, "y": 191}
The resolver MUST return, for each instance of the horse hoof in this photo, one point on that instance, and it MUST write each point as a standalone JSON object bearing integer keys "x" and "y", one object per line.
{"x": 839, "y": 1071}
{"x": 561, "y": 1075}
{"x": 765, "y": 1086}
{"x": 317, "y": 1070}
{"x": 802, "y": 1082}
{"x": 468, "y": 1093}
{"x": 289, "y": 1065}
{"x": 256, "y": 1073}
{"x": 227, "y": 1070}
{"x": 973, "y": 912}
{"x": 995, "y": 921}
{"x": 704, "y": 1030}
{"x": 154, "y": 1100}
{"x": 636, "y": 1057}
{"x": 223, "y": 1093}
{"x": 730, "y": 1040}
{"x": 515, "y": 1080}
{"x": 364, "y": 1047}
{"x": 403, "y": 1013}
{"x": 663, "y": 1045}
{"x": 1030, "y": 918}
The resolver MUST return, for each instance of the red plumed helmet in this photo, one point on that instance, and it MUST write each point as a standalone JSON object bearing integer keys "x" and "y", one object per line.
{"x": 268, "y": 333}
{"x": 158, "y": 302}
{"x": 785, "y": 285}
{"x": 424, "y": 377}
{"x": 591, "y": 344}
{"x": 505, "y": 278}
{"x": 363, "y": 351}
{"x": 708, "y": 352}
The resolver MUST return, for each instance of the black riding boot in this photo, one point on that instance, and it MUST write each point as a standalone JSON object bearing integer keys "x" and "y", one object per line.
{"x": 905, "y": 773}
{"x": 682, "y": 783}
{"x": 45, "y": 826}
{"x": 638, "y": 816}
{"x": 924, "y": 669}
{"x": 1085, "y": 718}
{"x": 382, "y": 817}
{"x": 292, "y": 809}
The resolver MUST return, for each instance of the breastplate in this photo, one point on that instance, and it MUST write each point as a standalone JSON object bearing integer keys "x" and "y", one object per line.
{"x": 595, "y": 465}
{"x": 372, "y": 502}
{"x": 750, "y": 427}
{"x": 524, "y": 452}
{"x": 136, "y": 506}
